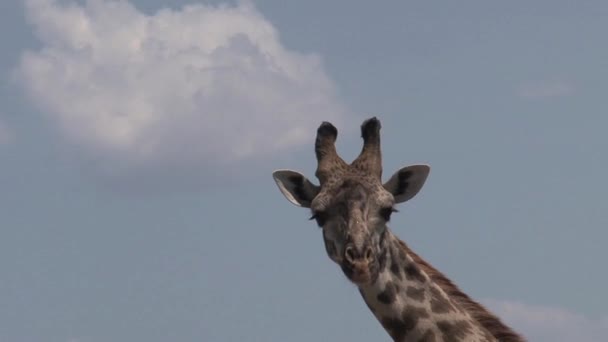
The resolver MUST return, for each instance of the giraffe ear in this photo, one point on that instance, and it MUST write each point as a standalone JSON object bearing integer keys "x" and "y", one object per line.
{"x": 406, "y": 182}
{"x": 295, "y": 187}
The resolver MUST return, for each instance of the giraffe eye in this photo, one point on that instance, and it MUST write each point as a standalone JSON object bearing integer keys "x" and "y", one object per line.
{"x": 320, "y": 217}
{"x": 385, "y": 213}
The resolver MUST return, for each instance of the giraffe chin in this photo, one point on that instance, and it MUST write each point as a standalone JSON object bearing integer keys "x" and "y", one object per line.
{"x": 358, "y": 274}
{"x": 361, "y": 278}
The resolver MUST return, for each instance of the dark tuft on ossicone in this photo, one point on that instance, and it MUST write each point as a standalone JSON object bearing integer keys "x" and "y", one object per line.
{"x": 370, "y": 128}
{"x": 327, "y": 130}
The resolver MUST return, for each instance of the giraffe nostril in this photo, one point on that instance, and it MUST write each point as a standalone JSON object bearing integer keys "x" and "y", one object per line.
{"x": 349, "y": 254}
{"x": 353, "y": 256}
{"x": 369, "y": 255}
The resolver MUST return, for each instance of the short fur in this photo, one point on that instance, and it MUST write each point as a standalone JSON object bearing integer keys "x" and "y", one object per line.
{"x": 479, "y": 313}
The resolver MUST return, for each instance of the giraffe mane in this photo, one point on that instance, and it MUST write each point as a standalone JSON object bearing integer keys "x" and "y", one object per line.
{"x": 488, "y": 320}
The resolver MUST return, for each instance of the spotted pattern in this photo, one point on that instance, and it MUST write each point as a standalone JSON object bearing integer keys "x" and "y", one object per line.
{"x": 396, "y": 270}
{"x": 416, "y": 294}
{"x": 389, "y": 294}
{"x": 454, "y": 331}
{"x": 413, "y": 273}
{"x": 413, "y": 308}
{"x": 399, "y": 328}
{"x": 417, "y": 311}
{"x": 439, "y": 303}
{"x": 429, "y": 336}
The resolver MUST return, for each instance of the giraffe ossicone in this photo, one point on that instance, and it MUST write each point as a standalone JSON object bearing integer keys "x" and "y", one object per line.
{"x": 411, "y": 299}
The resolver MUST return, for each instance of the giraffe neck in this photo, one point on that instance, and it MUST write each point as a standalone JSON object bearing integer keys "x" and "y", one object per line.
{"x": 411, "y": 307}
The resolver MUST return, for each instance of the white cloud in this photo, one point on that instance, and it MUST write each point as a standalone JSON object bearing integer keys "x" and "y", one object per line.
{"x": 201, "y": 88}
{"x": 537, "y": 90}
{"x": 549, "y": 324}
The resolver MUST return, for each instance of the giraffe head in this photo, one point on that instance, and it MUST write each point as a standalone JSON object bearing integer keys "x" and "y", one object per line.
{"x": 351, "y": 204}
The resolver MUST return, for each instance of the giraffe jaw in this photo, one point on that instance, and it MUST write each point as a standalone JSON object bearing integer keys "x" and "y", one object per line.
{"x": 358, "y": 273}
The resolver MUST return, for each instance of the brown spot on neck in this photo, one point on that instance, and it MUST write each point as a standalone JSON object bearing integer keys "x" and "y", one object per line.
{"x": 400, "y": 327}
{"x": 454, "y": 331}
{"x": 389, "y": 294}
{"x": 416, "y": 294}
{"x": 428, "y": 336}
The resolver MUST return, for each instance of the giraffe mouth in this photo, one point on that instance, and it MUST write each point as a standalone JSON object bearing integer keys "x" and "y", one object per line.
{"x": 358, "y": 273}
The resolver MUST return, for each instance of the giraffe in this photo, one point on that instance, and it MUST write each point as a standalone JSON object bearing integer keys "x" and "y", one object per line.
{"x": 412, "y": 300}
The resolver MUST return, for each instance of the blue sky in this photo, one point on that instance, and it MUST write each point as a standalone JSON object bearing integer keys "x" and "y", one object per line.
{"x": 137, "y": 141}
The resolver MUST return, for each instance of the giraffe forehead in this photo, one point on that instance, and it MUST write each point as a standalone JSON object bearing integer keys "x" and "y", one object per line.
{"x": 350, "y": 195}
{"x": 356, "y": 188}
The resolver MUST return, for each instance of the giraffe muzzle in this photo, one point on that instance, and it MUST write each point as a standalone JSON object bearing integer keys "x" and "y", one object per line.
{"x": 354, "y": 256}
{"x": 358, "y": 258}
{"x": 357, "y": 263}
